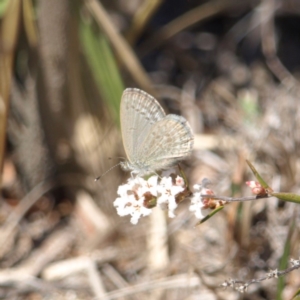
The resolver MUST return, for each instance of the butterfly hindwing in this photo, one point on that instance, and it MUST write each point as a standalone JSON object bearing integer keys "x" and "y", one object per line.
{"x": 168, "y": 141}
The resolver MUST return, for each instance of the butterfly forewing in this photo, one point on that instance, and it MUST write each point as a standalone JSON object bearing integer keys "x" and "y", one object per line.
{"x": 139, "y": 112}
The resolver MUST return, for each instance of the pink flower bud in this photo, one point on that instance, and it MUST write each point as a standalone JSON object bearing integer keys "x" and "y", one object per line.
{"x": 256, "y": 187}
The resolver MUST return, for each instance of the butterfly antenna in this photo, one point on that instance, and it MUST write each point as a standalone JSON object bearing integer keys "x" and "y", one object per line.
{"x": 99, "y": 177}
{"x": 117, "y": 157}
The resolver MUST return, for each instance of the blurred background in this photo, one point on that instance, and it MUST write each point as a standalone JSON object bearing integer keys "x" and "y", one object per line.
{"x": 231, "y": 68}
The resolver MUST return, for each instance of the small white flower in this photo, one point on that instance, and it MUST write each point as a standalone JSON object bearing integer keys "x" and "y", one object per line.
{"x": 179, "y": 181}
{"x": 295, "y": 262}
{"x": 152, "y": 185}
{"x": 166, "y": 197}
{"x": 131, "y": 200}
{"x": 197, "y": 206}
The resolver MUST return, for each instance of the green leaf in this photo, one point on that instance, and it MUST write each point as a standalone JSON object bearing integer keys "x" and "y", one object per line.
{"x": 211, "y": 214}
{"x": 283, "y": 265}
{"x": 289, "y": 197}
{"x": 258, "y": 177}
{"x": 249, "y": 104}
{"x": 296, "y": 295}
{"x": 103, "y": 65}
{"x": 284, "y": 260}
{"x": 3, "y": 6}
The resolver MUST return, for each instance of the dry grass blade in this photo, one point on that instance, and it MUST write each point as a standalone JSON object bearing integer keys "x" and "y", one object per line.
{"x": 52, "y": 248}
{"x": 142, "y": 16}
{"x": 29, "y": 23}
{"x": 8, "y": 38}
{"x": 119, "y": 44}
{"x": 10, "y": 26}
{"x": 26, "y": 203}
{"x": 186, "y": 20}
{"x": 211, "y": 214}
{"x": 268, "y": 40}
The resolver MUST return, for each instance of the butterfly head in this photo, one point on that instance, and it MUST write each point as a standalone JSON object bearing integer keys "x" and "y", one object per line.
{"x": 136, "y": 168}
{"x": 126, "y": 166}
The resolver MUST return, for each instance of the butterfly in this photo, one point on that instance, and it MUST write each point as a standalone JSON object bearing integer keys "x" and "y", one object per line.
{"x": 152, "y": 140}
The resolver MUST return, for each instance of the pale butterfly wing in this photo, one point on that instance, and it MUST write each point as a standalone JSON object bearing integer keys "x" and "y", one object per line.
{"x": 168, "y": 141}
{"x": 139, "y": 112}
{"x": 152, "y": 140}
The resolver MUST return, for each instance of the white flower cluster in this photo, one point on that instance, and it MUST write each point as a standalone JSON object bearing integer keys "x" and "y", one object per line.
{"x": 136, "y": 195}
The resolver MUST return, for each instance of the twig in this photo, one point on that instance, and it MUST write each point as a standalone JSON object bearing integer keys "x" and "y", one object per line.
{"x": 174, "y": 282}
{"x": 269, "y": 50}
{"x": 67, "y": 267}
{"x": 242, "y": 286}
{"x": 54, "y": 247}
{"x": 110, "y": 272}
{"x": 95, "y": 280}
{"x": 87, "y": 264}
{"x": 231, "y": 199}
{"x": 24, "y": 283}
{"x": 17, "y": 214}
{"x": 50, "y": 250}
